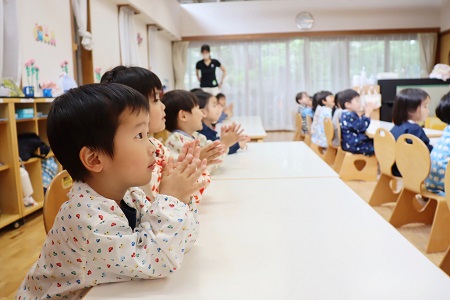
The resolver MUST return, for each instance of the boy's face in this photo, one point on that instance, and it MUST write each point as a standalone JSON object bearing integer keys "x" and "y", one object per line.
{"x": 305, "y": 100}
{"x": 134, "y": 158}
{"x": 222, "y": 101}
{"x": 212, "y": 111}
{"x": 194, "y": 119}
{"x": 157, "y": 114}
{"x": 329, "y": 101}
{"x": 353, "y": 105}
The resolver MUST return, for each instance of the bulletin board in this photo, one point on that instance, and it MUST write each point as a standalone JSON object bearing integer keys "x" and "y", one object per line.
{"x": 46, "y": 36}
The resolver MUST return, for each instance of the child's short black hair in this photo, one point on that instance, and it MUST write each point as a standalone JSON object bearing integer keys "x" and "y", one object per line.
{"x": 300, "y": 96}
{"x": 196, "y": 90}
{"x": 345, "y": 96}
{"x": 219, "y": 96}
{"x": 406, "y": 102}
{"x": 205, "y": 48}
{"x": 319, "y": 97}
{"x": 175, "y": 101}
{"x": 443, "y": 109}
{"x": 88, "y": 116}
{"x": 203, "y": 98}
{"x": 140, "y": 79}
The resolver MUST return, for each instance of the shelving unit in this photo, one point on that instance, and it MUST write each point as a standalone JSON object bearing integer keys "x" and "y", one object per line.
{"x": 11, "y": 194}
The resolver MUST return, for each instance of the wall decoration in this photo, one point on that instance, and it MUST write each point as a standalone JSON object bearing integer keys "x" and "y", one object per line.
{"x": 64, "y": 67}
{"x": 98, "y": 74}
{"x": 32, "y": 72}
{"x": 139, "y": 39}
{"x": 42, "y": 34}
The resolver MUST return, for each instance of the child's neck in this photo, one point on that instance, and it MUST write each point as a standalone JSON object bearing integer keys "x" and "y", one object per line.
{"x": 185, "y": 129}
{"x": 207, "y": 123}
{"x": 105, "y": 188}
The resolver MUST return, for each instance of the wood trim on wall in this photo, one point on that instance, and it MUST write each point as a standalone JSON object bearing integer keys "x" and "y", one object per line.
{"x": 87, "y": 63}
{"x": 445, "y": 32}
{"x": 261, "y": 36}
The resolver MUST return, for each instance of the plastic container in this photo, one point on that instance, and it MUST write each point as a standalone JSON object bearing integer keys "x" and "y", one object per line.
{"x": 23, "y": 113}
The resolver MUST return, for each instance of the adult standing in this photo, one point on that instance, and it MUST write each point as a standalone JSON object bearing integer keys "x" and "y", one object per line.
{"x": 206, "y": 72}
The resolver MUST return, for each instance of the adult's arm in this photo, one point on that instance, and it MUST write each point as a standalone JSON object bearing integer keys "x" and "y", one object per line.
{"x": 224, "y": 74}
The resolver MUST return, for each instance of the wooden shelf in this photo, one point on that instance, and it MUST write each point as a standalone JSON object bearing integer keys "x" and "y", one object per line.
{"x": 41, "y": 118}
{"x": 25, "y": 120}
{"x": 31, "y": 209}
{"x": 4, "y": 167}
{"x": 6, "y": 219}
{"x": 3, "y": 121}
{"x": 31, "y": 160}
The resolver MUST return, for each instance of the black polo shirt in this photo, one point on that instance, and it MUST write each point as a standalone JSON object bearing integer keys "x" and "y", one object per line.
{"x": 208, "y": 76}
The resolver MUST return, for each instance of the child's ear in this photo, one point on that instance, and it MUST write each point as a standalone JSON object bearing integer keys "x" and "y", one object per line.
{"x": 182, "y": 115}
{"x": 204, "y": 112}
{"x": 347, "y": 105}
{"x": 91, "y": 160}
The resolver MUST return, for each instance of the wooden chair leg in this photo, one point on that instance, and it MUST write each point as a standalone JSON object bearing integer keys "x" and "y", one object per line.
{"x": 440, "y": 230}
{"x": 405, "y": 212}
{"x": 383, "y": 192}
{"x": 308, "y": 140}
{"x": 338, "y": 161}
{"x": 317, "y": 149}
{"x": 330, "y": 156}
{"x": 445, "y": 264}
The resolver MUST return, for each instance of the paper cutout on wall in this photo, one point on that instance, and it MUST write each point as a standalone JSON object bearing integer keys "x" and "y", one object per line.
{"x": 43, "y": 34}
{"x": 139, "y": 39}
{"x": 98, "y": 74}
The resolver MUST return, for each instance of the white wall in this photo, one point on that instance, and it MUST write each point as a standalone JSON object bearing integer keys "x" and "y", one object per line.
{"x": 47, "y": 58}
{"x": 445, "y": 15}
{"x": 105, "y": 34}
{"x": 160, "y": 57}
{"x": 141, "y": 28}
{"x": 253, "y": 17}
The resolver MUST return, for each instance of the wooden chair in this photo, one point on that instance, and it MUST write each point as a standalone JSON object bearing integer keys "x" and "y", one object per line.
{"x": 55, "y": 196}
{"x": 355, "y": 166}
{"x": 330, "y": 153}
{"x": 299, "y": 136}
{"x": 385, "y": 190}
{"x": 307, "y": 139}
{"x": 413, "y": 161}
{"x": 434, "y": 123}
{"x": 162, "y": 136}
{"x": 445, "y": 264}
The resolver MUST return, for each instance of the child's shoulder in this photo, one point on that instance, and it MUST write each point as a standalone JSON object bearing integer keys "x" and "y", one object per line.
{"x": 201, "y": 138}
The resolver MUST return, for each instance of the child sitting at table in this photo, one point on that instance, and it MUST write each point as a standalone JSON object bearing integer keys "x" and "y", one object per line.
{"x": 227, "y": 110}
{"x": 208, "y": 105}
{"x": 441, "y": 153}
{"x": 336, "y": 118}
{"x": 304, "y": 109}
{"x": 108, "y": 231}
{"x": 322, "y": 107}
{"x": 149, "y": 85}
{"x": 410, "y": 107}
{"x": 353, "y": 127}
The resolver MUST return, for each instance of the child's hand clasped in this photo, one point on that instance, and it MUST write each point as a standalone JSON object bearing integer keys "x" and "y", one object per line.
{"x": 212, "y": 152}
{"x": 229, "y": 135}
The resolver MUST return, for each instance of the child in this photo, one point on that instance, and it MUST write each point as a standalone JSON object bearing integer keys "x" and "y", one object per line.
{"x": 441, "y": 153}
{"x": 108, "y": 231}
{"x": 336, "y": 117}
{"x": 303, "y": 101}
{"x": 410, "y": 107}
{"x": 227, "y": 110}
{"x": 324, "y": 103}
{"x": 149, "y": 85}
{"x": 211, "y": 111}
{"x": 353, "y": 127}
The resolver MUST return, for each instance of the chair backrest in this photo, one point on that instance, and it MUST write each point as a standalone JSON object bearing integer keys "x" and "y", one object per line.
{"x": 413, "y": 161}
{"x": 339, "y": 132}
{"x": 298, "y": 121}
{"x": 384, "y": 145}
{"x": 434, "y": 123}
{"x": 329, "y": 131}
{"x": 55, "y": 196}
{"x": 447, "y": 185}
{"x": 308, "y": 124}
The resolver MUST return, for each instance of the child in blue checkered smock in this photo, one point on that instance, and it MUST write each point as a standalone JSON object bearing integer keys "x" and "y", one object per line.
{"x": 441, "y": 152}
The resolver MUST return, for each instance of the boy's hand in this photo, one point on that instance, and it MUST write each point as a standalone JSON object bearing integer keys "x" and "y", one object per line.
{"x": 180, "y": 179}
{"x": 212, "y": 152}
{"x": 368, "y": 109}
{"x": 189, "y": 148}
{"x": 229, "y": 135}
{"x": 243, "y": 140}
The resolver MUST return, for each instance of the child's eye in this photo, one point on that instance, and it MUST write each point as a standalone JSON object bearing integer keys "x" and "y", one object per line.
{"x": 140, "y": 135}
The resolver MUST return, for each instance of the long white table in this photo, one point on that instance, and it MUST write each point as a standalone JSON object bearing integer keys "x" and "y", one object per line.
{"x": 375, "y": 124}
{"x": 273, "y": 160}
{"x": 252, "y": 126}
{"x": 291, "y": 239}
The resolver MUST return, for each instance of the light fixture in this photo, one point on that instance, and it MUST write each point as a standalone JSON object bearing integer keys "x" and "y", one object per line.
{"x": 304, "y": 20}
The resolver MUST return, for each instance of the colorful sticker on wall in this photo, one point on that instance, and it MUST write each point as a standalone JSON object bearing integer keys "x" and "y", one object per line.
{"x": 44, "y": 35}
{"x": 139, "y": 38}
{"x": 98, "y": 74}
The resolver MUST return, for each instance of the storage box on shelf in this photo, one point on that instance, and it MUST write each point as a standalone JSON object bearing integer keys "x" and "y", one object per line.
{"x": 13, "y": 123}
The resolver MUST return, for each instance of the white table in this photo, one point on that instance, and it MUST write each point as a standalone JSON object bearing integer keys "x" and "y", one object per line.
{"x": 252, "y": 126}
{"x": 273, "y": 160}
{"x": 296, "y": 239}
{"x": 375, "y": 124}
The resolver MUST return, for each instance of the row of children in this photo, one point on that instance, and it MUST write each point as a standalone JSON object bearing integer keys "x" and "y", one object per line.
{"x": 410, "y": 109}
{"x": 109, "y": 230}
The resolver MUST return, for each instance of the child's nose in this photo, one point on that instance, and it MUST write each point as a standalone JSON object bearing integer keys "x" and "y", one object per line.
{"x": 151, "y": 148}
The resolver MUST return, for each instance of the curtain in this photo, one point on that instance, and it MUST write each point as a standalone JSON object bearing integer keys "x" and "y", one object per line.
{"x": 427, "y": 46}
{"x": 128, "y": 38}
{"x": 9, "y": 41}
{"x": 179, "y": 60}
{"x": 152, "y": 40}
{"x": 80, "y": 12}
{"x": 263, "y": 76}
